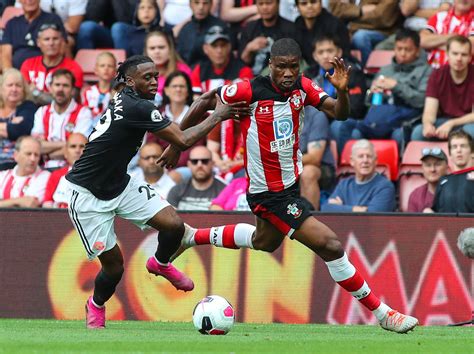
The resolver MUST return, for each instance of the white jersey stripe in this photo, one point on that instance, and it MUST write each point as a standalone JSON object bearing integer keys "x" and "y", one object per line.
{"x": 254, "y": 161}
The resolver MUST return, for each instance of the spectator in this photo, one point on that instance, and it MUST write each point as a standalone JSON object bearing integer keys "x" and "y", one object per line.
{"x": 367, "y": 191}
{"x": 97, "y": 96}
{"x": 315, "y": 22}
{"x": 37, "y": 70}
{"x": 455, "y": 192}
{"x": 174, "y": 14}
{"x": 259, "y": 35}
{"x": 325, "y": 48}
{"x": 435, "y": 165}
{"x": 191, "y": 36}
{"x": 319, "y": 172}
{"x": 146, "y": 20}
{"x": 71, "y": 13}
{"x": 402, "y": 85}
{"x": 449, "y": 95}
{"x": 233, "y": 196}
{"x": 369, "y": 22}
{"x": 19, "y": 38}
{"x": 198, "y": 192}
{"x": 104, "y": 23}
{"x": 459, "y": 20}
{"x": 24, "y": 185}
{"x": 56, "y": 121}
{"x": 151, "y": 172}
{"x": 160, "y": 48}
{"x": 417, "y": 12}
{"x": 57, "y": 186}
{"x": 237, "y": 13}
{"x": 16, "y": 114}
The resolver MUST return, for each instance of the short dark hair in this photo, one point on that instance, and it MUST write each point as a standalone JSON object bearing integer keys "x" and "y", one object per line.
{"x": 297, "y": 2}
{"x": 405, "y": 33}
{"x": 129, "y": 66}
{"x": 326, "y": 37}
{"x": 460, "y": 39}
{"x": 64, "y": 72}
{"x": 285, "y": 47}
{"x": 460, "y": 134}
{"x": 189, "y": 86}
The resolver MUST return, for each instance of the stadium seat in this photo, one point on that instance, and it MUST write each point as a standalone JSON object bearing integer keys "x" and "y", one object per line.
{"x": 86, "y": 59}
{"x": 407, "y": 183}
{"x": 411, "y": 162}
{"x": 377, "y": 59}
{"x": 8, "y": 13}
{"x": 387, "y": 153}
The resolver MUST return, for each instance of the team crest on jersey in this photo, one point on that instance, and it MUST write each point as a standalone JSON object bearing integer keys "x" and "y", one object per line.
{"x": 296, "y": 102}
{"x": 231, "y": 90}
{"x": 156, "y": 116}
{"x": 294, "y": 210}
{"x": 69, "y": 127}
{"x": 284, "y": 136}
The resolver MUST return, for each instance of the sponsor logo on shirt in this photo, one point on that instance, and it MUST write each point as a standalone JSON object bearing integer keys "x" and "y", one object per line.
{"x": 284, "y": 137}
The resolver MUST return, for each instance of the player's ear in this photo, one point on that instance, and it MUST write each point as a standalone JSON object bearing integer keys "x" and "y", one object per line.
{"x": 129, "y": 80}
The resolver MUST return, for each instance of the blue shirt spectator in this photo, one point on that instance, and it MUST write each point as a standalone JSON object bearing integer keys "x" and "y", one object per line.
{"x": 367, "y": 191}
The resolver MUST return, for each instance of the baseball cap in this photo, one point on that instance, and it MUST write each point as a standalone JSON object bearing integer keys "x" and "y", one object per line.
{"x": 216, "y": 32}
{"x": 433, "y": 152}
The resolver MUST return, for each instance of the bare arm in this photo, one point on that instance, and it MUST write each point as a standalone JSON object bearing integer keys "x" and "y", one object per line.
{"x": 429, "y": 116}
{"x": 229, "y": 13}
{"x": 72, "y": 23}
{"x": 430, "y": 40}
{"x": 409, "y": 7}
{"x": 3, "y": 130}
{"x": 428, "y": 12}
{"x": 52, "y": 147}
{"x": 7, "y": 53}
{"x": 20, "y": 202}
{"x": 315, "y": 153}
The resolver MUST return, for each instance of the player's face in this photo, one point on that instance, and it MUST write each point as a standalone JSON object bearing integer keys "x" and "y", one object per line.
{"x": 324, "y": 52}
{"x": 61, "y": 90}
{"x": 28, "y": 156}
{"x": 149, "y": 154}
{"x": 200, "y": 163}
{"x": 460, "y": 153}
{"x": 218, "y": 52}
{"x": 177, "y": 90}
{"x": 459, "y": 56}
{"x": 406, "y": 51}
{"x": 12, "y": 89}
{"x": 50, "y": 42}
{"x": 105, "y": 68}
{"x": 158, "y": 50}
{"x": 268, "y": 9}
{"x": 74, "y": 148}
{"x": 309, "y": 8}
{"x": 364, "y": 161}
{"x": 284, "y": 71}
{"x": 200, "y": 8}
{"x": 434, "y": 169}
{"x": 145, "y": 80}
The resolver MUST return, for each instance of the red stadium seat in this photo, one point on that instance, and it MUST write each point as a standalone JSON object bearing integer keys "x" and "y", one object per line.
{"x": 411, "y": 162}
{"x": 377, "y": 59}
{"x": 407, "y": 183}
{"x": 387, "y": 158}
{"x": 86, "y": 59}
{"x": 9, "y": 13}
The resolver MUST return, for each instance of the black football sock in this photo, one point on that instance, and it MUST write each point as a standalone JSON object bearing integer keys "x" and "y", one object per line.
{"x": 168, "y": 244}
{"x": 104, "y": 287}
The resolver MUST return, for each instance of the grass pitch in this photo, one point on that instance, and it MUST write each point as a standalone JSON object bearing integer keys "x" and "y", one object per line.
{"x": 51, "y": 336}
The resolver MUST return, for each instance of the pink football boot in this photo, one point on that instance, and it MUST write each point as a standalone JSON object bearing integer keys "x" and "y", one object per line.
{"x": 95, "y": 316}
{"x": 179, "y": 280}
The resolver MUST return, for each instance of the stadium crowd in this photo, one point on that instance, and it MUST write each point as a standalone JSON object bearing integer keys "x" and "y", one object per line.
{"x": 408, "y": 145}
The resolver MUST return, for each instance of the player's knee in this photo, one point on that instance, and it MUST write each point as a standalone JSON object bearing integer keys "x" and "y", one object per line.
{"x": 332, "y": 243}
{"x": 310, "y": 174}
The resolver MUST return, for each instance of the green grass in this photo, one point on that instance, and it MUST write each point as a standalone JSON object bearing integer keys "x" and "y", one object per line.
{"x": 50, "y": 336}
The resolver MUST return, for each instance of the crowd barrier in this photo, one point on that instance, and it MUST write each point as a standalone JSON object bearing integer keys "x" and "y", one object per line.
{"x": 410, "y": 261}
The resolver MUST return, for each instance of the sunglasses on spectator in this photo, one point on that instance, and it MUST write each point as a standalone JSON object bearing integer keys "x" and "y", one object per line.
{"x": 203, "y": 161}
{"x": 431, "y": 151}
{"x": 46, "y": 26}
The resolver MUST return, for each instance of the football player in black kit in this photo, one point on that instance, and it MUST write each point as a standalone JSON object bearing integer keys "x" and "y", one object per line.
{"x": 101, "y": 189}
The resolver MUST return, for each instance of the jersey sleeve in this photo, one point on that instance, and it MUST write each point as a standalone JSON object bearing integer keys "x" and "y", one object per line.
{"x": 145, "y": 115}
{"x": 38, "y": 128}
{"x": 314, "y": 94}
{"x": 238, "y": 92}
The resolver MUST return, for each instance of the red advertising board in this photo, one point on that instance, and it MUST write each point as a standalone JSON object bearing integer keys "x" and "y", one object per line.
{"x": 411, "y": 262}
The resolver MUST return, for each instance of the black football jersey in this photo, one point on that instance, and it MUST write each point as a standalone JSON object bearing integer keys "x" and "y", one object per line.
{"x": 102, "y": 168}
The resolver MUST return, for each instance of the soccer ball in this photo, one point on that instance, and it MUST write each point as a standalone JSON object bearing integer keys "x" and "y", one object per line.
{"x": 213, "y": 315}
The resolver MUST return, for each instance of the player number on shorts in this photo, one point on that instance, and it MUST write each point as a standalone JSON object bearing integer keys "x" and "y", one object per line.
{"x": 150, "y": 192}
{"x": 102, "y": 125}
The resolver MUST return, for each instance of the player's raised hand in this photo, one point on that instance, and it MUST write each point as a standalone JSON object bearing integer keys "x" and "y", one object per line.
{"x": 170, "y": 157}
{"x": 340, "y": 78}
{"x": 235, "y": 110}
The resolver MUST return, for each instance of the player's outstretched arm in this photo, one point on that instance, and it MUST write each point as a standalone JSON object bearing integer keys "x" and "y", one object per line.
{"x": 185, "y": 139}
{"x": 198, "y": 109}
{"x": 339, "y": 108}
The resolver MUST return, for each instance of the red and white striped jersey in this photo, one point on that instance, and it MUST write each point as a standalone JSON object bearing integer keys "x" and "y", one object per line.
{"x": 271, "y": 133}
{"x": 14, "y": 186}
{"x": 96, "y": 100}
